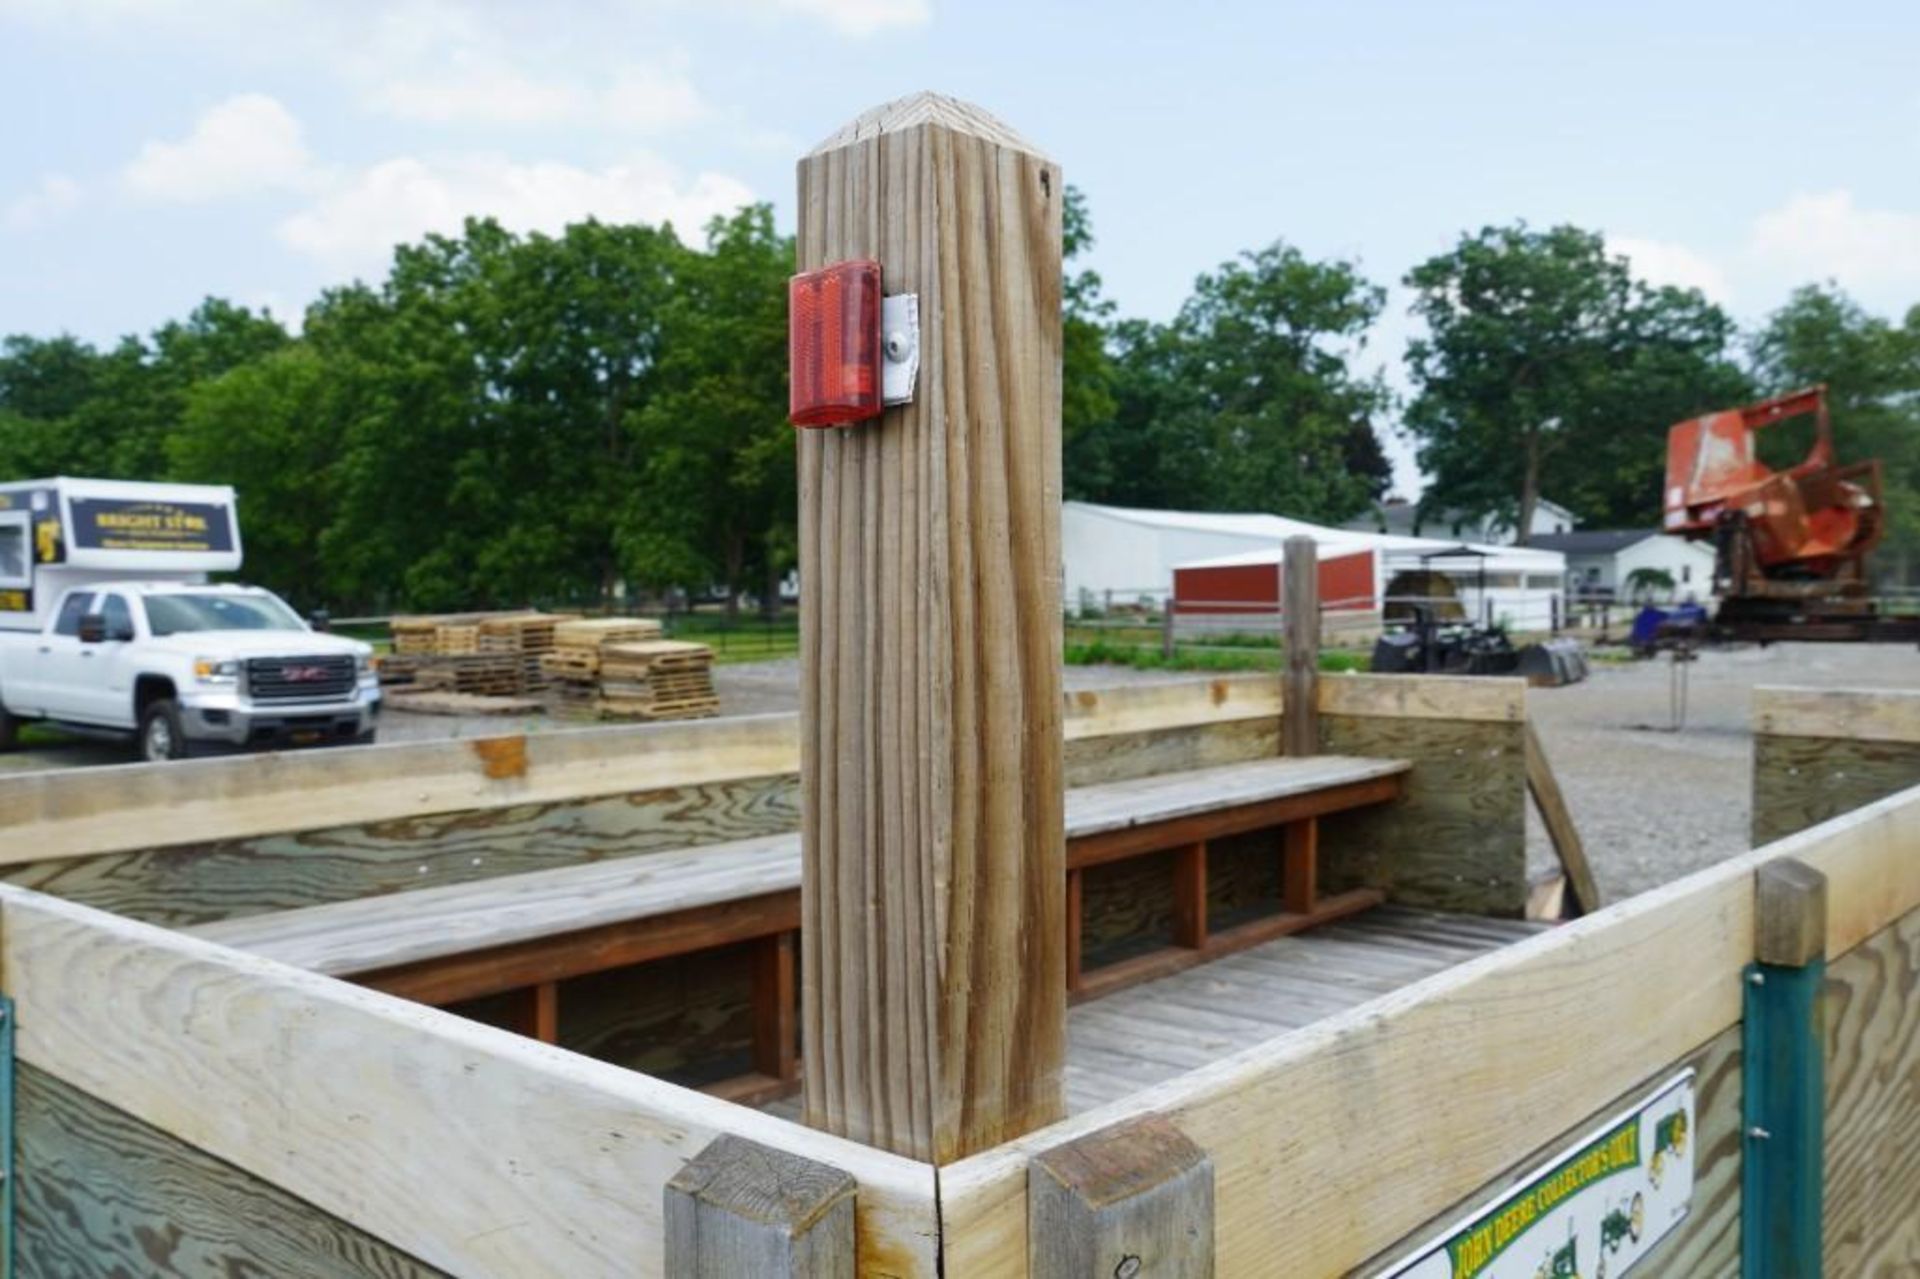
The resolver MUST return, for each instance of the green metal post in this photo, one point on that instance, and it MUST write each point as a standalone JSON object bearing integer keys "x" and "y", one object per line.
{"x": 1783, "y": 1076}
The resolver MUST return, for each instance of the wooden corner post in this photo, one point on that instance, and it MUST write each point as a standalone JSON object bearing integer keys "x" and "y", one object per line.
{"x": 1135, "y": 1200}
{"x": 739, "y": 1208}
{"x": 1300, "y": 614}
{"x": 933, "y": 824}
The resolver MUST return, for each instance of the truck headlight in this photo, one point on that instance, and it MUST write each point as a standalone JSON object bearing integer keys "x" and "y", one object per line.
{"x": 363, "y": 664}
{"x": 213, "y": 670}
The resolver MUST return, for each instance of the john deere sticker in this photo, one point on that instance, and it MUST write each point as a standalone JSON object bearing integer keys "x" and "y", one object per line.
{"x": 1590, "y": 1214}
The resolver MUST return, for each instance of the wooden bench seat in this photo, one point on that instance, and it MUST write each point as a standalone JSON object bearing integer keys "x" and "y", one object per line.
{"x": 527, "y": 932}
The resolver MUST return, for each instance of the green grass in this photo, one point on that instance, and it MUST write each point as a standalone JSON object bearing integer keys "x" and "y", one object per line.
{"x": 747, "y": 638}
{"x": 1150, "y": 658}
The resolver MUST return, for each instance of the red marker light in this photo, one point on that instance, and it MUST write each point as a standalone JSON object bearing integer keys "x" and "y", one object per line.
{"x": 833, "y": 344}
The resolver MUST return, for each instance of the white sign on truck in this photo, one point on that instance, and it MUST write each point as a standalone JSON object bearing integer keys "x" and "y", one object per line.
{"x": 109, "y": 625}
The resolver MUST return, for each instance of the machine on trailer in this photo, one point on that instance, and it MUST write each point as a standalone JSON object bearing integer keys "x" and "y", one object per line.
{"x": 1791, "y": 545}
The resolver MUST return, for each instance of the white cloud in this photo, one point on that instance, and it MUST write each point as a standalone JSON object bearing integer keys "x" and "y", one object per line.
{"x": 1871, "y": 252}
{"x": 356, "y": 225}
{"x": 242, "y": 146}
{"x": 53, "y": 195}
{"x": 651, "y": 100}
{"x": 863, "y": 17}
{"x": 476, "y": 88}
{"x": 1661, "y": 262}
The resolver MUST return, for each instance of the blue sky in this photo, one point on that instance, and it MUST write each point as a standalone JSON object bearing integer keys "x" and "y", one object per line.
{"x": 156, "y": 151}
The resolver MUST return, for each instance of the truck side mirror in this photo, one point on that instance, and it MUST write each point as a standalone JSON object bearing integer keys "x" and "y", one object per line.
{"x": 93, "y": 628}
{"x": 320, "y": 620}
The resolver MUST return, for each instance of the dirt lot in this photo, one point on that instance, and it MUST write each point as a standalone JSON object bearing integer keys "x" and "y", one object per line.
{"x": 1651, "y": 803}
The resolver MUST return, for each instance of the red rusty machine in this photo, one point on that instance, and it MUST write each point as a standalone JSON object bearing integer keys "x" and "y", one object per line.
{"x": 1790, "y": 545}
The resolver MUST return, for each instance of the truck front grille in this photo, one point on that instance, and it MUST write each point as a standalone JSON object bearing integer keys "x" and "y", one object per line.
{"x": 300, "y": 679}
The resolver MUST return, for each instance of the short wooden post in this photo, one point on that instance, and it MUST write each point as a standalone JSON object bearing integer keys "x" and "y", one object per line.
{"x": 1135, "y": 1201}
{"x": 1300, "y": 714}
{"x": 774, "y": 1008}
{"x": 1783, "y": 1075}
{"x": 1190, "y": 896}
{"x": 1166, "y": 631}
{"x": 1300, "y": 867}
{"x": 933, "y": 825}
{"x": 739, "y": 1208}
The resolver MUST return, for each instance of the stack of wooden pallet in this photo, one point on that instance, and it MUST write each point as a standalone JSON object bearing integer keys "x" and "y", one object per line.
{"x": 572, "y": 665}
{"x": 657, "y": 679}
{"x": 478, "y": 654}
{"x": 480, "y": 674}
{"x": 527, "y": 637}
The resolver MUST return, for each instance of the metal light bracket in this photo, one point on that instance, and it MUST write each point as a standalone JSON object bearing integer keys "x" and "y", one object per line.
{"x": 899, "y": 347}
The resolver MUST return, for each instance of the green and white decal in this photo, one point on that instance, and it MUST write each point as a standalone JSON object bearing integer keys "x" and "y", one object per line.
{"x": 1591, "y": 1213}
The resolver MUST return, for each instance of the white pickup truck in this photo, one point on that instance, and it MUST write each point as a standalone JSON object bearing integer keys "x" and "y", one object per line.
{"x": 187, "y": 669}
{"x": 108, "y": 624}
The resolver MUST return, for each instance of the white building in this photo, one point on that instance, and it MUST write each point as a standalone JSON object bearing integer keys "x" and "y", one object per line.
{"x": 1119, "y": 555}
{"x": 1603, "y": 562}
{"x": 1398, "y": 516}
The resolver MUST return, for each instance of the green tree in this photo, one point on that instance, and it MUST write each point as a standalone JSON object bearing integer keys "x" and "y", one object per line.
{"x": 1255, "y": 375}
{"x": 268, "y": 428}
{"x": 714, "y": 500}
{"x": 1546, "y": 365}
{"x": 1871, "y": 368}
{"x": 1087, "y": 373}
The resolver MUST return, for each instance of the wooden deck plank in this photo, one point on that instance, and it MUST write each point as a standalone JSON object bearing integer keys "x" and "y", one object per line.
{"x": 1159, "y": 1029}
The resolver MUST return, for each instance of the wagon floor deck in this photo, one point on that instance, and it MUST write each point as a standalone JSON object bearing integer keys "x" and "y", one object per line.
{"x": 1152, "y": 1032}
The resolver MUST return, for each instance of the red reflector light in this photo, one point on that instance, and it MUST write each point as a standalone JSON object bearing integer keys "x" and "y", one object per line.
{"x": 833, "y": 344}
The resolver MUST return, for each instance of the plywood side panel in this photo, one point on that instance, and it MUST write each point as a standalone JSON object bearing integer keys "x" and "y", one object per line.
{"x": 227, "y": 879}
{"x": 1477, "y": 699}
{"x": 1872, "y": 1223}
{"x": 1457, "y": 841}
{"x": 1802, "y": 781}
{"x": 477, "y": 1151}
{"x": 1855, "y": 715}
{"x": 1708, "y": 1241}
{"x": 100, "y": 1193}
{"x": 1119, "y": 757}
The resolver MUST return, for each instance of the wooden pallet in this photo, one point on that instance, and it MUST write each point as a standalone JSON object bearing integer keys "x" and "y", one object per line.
{"x": 445, "y": 703}
{"x": 595, "y": 632}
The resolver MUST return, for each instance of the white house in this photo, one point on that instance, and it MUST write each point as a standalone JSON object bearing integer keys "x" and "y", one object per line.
{"x": 1603, "y": 561}
{"x": 1399, "y": 516}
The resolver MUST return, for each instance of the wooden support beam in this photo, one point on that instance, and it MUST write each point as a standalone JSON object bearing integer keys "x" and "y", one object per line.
{"x": 1132, "y": 1200}
{"x": 538, "y": 1014}
{"x": 1300, "y": 867}
{"x": 933, "y": 828}
{"x": 740, "y": 1208}
{"x": 1300, "y": 723}
{"x": 775, "y": 1008}
{"x": 1190, "y": 895}
{"x": 1545, "y": 789}
{"x": 1790, "y": 913}
{"x": 1076, "y": 916}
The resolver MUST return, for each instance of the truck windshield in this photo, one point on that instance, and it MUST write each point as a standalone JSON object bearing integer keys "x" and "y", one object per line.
{"x": 172, "y": 614}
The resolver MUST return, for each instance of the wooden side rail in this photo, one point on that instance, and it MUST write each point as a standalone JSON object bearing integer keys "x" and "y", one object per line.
{"x": 527, "y": 933}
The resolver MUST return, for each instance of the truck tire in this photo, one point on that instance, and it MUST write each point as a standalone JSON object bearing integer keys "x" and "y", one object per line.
{"x": 9, "y": 731}
{"x": 160, "y": 736}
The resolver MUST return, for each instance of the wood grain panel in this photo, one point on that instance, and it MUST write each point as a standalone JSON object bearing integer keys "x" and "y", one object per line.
{"x": 200, "y": 883}
{"x": 102, "y": 1194}
{"x": 687, "y": 1020}
{"x": 1872, "y": 1218}
{"x": 1457, "y": 841}
{"x": 1121, "y": 757}
{"x": 1855, "y": 715}
{"x": 1802, "y": 781}
{"x": 477, "y": 1151}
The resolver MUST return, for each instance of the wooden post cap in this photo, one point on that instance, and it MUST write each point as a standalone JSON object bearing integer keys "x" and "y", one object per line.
{"x": 740, "y": 1208}
{"x": 1790, "y": 913}
{"x": 1134, "y": 1201}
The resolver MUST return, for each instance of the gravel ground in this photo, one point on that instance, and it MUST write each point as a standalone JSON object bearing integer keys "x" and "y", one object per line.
{"x": 1651, "y": 803}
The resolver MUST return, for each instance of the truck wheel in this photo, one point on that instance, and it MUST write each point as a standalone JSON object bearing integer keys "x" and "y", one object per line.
{"x": 160, "y": 735}
{"x": 9, "y": 731}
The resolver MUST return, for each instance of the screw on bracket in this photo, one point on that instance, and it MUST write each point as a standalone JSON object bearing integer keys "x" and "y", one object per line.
{"x": 1129, "y": 1267}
